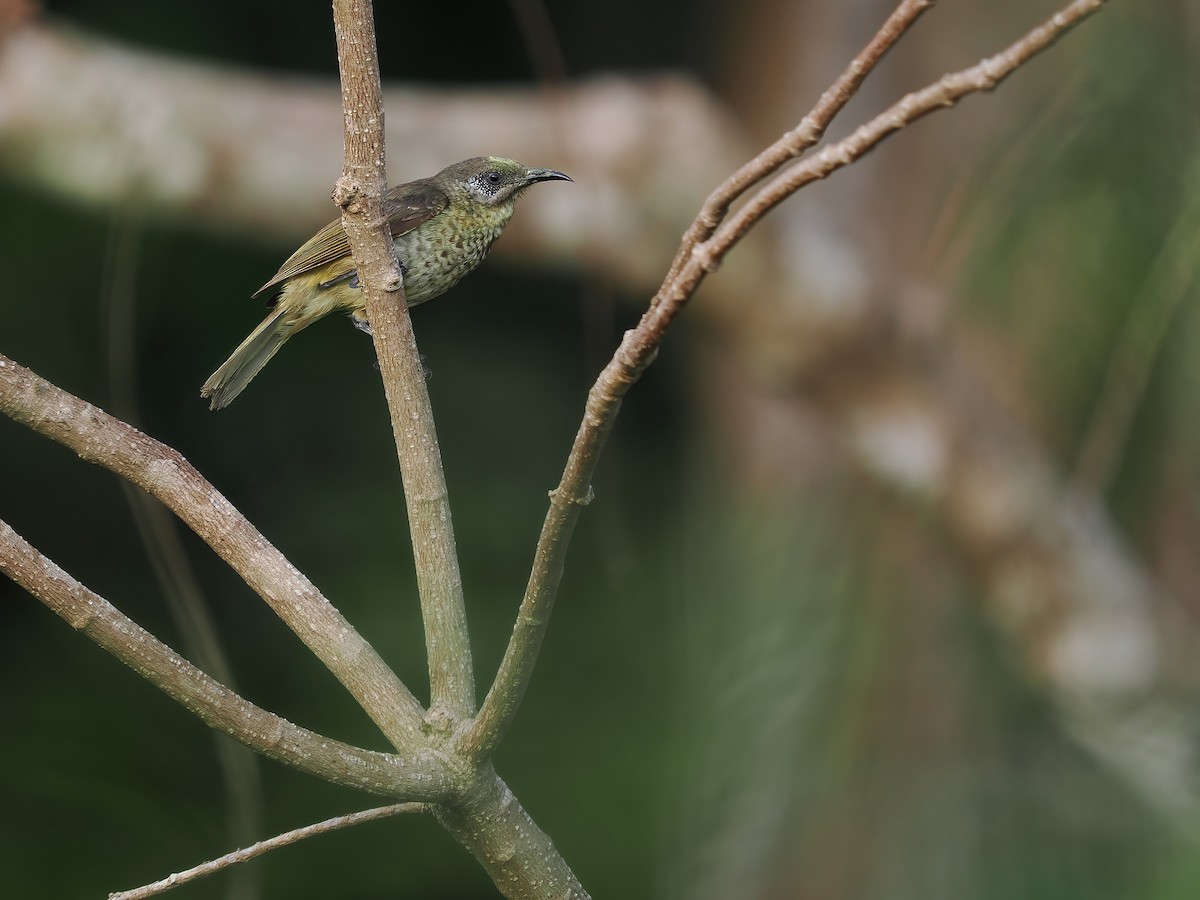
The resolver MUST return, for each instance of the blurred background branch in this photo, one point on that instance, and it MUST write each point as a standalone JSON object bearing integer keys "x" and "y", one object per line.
{"x": 166, "y": 552}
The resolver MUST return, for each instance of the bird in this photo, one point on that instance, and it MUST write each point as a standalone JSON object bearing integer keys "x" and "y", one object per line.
{"x": 442, "y": 227}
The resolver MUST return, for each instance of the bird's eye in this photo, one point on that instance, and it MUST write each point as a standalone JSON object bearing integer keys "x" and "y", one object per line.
{"x": 493, "y": 177}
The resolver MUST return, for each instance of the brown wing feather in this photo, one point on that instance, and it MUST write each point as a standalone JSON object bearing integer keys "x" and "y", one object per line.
{"x": 406, "y": 206}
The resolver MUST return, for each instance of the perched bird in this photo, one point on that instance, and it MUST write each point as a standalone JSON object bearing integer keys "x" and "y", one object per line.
{"x": 442, "y": 228}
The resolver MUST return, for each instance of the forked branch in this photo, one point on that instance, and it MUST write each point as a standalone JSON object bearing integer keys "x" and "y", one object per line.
{"x": 805, "y": 135}
{"x": 704, "y": 247}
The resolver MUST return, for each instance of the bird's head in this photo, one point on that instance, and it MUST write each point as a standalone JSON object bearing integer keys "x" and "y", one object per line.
{"x": 493, "y": 180}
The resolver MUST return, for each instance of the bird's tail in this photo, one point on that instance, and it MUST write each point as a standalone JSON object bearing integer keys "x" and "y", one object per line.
{"x": 246, "y": 361}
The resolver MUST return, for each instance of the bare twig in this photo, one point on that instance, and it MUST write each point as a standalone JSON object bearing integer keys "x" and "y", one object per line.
{"x": 640, "y": 345}
{"x": 566, "y": 502}
{"x": 810, "y": 130}
{"x": 942, "y": 94}
{"x": 359, "y": 192}
{"x": 216, "y": 705}
{"x": 255, "y": 850}
{"x": 163, "y": 472}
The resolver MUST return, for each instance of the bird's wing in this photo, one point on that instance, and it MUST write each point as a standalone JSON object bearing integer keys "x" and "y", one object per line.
{"x": 406, "y": 206}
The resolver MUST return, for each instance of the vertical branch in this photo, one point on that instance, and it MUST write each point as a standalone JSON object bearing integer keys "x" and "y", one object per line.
{"x": 359, "y": 192}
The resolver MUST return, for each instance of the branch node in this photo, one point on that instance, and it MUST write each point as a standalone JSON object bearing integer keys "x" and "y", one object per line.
{"x": 705, "y": 258}
{"x": 563, "y": 498}
{"x": 437, "y": 721}
{"x": 347, "y": 194}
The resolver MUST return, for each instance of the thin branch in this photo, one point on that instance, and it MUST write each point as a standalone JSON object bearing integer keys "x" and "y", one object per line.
{"x": 810, "y": 130}
{"x": 566, "y": 502}
{"x": 216, "y": 705}
{"x": 942, "y": 94}
{"x": 255, "y": 850}
{"x": 640, "y": 345}
{"x": 359, "y": 193}
{"x": 163, "y": 472}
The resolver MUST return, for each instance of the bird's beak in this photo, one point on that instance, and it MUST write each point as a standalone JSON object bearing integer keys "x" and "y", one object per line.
{"x": 532, "y": 176}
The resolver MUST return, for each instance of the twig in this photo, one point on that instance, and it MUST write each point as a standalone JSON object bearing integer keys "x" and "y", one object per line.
{"x": 640, "y": 345}
{"x": 566, "y": 502}
{"x": 216, "y": 705}
{"x": 810, "y": 130}
{"x": 163, "y": 472}
{"x": 942, "y": 94}
{"x": 359, "y": 193}
{"x": 255, "y": 850}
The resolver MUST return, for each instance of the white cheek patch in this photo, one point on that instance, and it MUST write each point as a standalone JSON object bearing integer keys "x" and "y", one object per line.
{"x": 485, "y": 191}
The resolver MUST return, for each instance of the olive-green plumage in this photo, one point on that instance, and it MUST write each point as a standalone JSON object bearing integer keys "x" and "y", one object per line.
{"x": 442, "y": 228}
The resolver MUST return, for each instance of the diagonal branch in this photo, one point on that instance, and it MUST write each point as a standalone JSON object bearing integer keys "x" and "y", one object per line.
{"x": 163, "y": 472}
{"x": 216, "y": 705}
{"x": 566, "y": 503}
{"x": 261, "y": 847}
{"x": 640, "y": 345}
{"x": 359, "y": 192}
